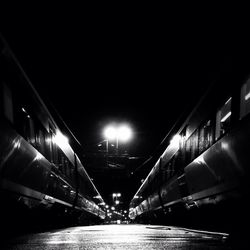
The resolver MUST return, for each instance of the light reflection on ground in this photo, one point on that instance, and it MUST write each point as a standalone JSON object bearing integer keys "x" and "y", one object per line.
{"x": 120, "y": 237}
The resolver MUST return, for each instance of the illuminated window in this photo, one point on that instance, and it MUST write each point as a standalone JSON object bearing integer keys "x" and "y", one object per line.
{"x": 245, "y": 99}
{"x": 223, "y": 118}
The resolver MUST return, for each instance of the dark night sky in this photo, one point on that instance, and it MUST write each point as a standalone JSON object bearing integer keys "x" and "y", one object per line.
{"x": 144, "y": 71}
{"x": 141, "y": 74}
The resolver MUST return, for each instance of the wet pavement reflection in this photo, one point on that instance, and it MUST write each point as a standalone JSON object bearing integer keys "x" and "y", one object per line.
{"x": 120, "y": 237}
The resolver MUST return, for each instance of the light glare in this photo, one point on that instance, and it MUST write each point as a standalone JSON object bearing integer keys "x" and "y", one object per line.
{"x": 175, "y": 140}
{"x": 226, "y": 117}
{"x": 247, "y": 96}
{"x": 110, "y": 133}
{"x": 61, "y": 140}
{"x": 124, "y": 133}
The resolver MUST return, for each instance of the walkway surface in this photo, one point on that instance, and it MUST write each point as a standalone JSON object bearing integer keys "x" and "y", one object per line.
{"x": 119, "y": 237}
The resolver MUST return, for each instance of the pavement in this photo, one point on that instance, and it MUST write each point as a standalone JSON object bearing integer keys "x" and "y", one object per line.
{"x": 121, "y": 236}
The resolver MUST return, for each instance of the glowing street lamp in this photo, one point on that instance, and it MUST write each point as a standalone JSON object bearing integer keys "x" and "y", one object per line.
{"x": 110, "y": 133}
{"x": 116, "y": 195}
{"x": 113, "y": 132}
{"x": 124, "y": 133}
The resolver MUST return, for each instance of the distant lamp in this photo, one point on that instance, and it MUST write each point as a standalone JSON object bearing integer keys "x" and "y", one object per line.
{"x": 116, "y": 195}
{"x": 124, "y": 133}
{"x": 118, "y": 133}
{"x": 110, "y": 133}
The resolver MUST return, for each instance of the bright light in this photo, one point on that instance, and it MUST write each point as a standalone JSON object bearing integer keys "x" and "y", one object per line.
{"x": 61, "y": 140}
{"x": 124, "y": 133}
{"x": 110, "y": 133}
{"x": 226, "y": 117}
{"x": 116, "y": 195}
{"x": 247, "y": 96}
{"x": 38, "y": 156}
{"x": 175, "y": 140}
